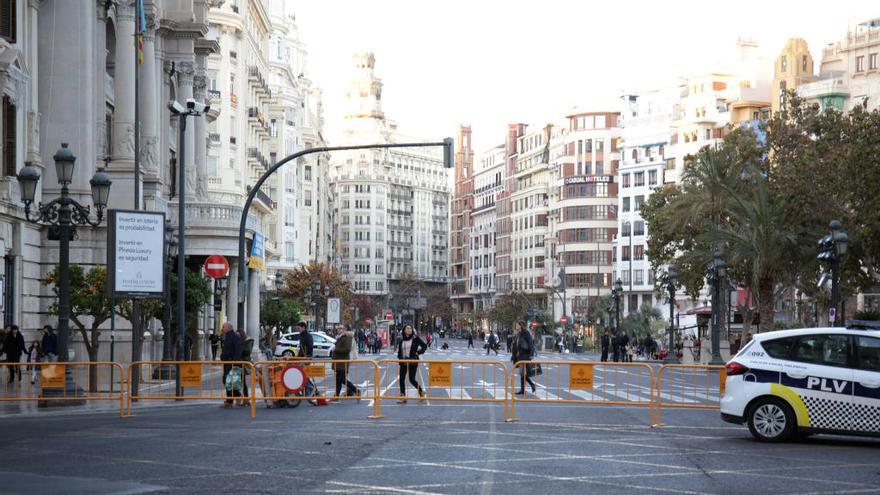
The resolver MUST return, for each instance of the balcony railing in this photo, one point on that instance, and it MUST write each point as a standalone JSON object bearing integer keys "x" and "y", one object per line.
{"x": 214, "y": 137}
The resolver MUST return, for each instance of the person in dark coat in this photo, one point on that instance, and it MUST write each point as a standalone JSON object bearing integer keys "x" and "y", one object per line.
{"x": 232, "y": 348}
{"x": 306, "y": 341}
{"x": 342, "y": 350}
{"x": 215, "y": 346}
{"x": 49, "y": 344}
{"x": 624, "y": 347}
{"x": 615, "y": 348}
{"x": 411, "y": 346}
{"x": 470, "y": 340}
{"x": 14, "y": 346}
{"x": 523, "y": 350}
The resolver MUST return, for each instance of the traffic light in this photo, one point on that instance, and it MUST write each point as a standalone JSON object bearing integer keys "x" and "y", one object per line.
{"x": 449, "y": 153}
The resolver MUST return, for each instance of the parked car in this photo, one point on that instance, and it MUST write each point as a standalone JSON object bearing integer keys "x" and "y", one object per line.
{"x": 288, "y": 344}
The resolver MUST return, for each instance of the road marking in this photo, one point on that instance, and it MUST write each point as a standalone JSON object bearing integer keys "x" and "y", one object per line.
{"x": 357, "y": 487}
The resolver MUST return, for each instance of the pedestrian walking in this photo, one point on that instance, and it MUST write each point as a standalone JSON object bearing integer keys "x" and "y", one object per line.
{"x": 523, "y": 350}
{"x": 361, "y": 336}
{"x": 428, "y": 340}
{"x": 215, "y": 345}
{"x": 492, "y": 344}
{"x": 14, "y": 347}
{"x": 470, "y": 340}
{"x": 615, "y": 347}
{"x": 411, "y": 346}
{"x": 624, "y": 347}
{"x": 33, "y": 358}
{"x": 49, "y": 344}
{"x": 605, "y": 344}
{"x": 342, "y": 351}
{"x": 232, "y": 349}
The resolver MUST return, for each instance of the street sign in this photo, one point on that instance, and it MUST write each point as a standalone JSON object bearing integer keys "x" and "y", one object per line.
{"x": 136, "y": 253}
{"x": 315, "y": 370}
{"x": 216, "y": 266}
{"x": 832, "y": 314}
{"x": 563, "y": 319}
{"x": 389, "y": 315}
{"x": 333, "y": 310}
{"x": 293, "y": 378}
{"x": 256, "y": 259}
{"x": 440, "y": 375}
{"x": 191, "y": 375}
{"x": 52, "y": 376}
{"x": 580, "y": 376}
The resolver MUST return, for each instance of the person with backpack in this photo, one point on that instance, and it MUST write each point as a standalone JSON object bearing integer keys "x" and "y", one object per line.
{"x": 523, "y": 350}
{"x": 410, "y": 347}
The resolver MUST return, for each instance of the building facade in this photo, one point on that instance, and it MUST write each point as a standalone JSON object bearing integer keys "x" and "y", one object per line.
{"x": 488, "y": 179}
{"x": 460, "y": 225}
{"x": 392, "y": 206}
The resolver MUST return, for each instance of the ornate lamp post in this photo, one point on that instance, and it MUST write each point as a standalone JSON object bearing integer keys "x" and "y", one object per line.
{"x": 63, "y": 214}
{"x": 617, "y": 292}
{"x": 669, "y": 283}
{"x": 717, "y": 269}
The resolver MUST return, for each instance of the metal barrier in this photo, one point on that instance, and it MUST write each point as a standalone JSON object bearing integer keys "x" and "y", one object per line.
{"x": 69, "y": 382}
{"x": 584, "y": 382}
{"x": 688, "y": 386}
{"x": 282, "y": 387}
{"x": 199, "y": 380}
{"x": 461, "y": 381}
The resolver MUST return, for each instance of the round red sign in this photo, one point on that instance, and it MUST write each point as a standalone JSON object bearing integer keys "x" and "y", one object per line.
{"x": 216, "y": 266}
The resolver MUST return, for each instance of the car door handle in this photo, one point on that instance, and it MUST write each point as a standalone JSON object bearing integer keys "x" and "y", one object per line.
{"x": 796, "y": 376}
{"x": 870, "y": 384}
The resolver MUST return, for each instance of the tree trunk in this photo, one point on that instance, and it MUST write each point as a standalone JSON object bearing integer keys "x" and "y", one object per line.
{"x": 765, "y": 303}
{"x": 93, "y": 357}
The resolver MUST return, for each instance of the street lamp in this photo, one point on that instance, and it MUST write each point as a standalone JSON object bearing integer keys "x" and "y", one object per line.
{"x": 833, "y": 248}
{"x": 617, "y": 292}
{"x": 170, "y": 254}
{"x": 279, "y": 282}
{"x": 62, "y": 215}
{"x": 671, "y": 279}
{"x": 716, "y": 270}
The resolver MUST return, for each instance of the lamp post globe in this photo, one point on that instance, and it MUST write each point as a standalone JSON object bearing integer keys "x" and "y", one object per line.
{"x": 100, "y": 183}
{"x": 28, "y": 177}
{"x": 64, "y": 164}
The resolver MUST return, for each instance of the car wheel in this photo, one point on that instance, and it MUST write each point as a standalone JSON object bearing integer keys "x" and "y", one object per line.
{"x": 287, "y": 353}
{"x": 771, "y": 420}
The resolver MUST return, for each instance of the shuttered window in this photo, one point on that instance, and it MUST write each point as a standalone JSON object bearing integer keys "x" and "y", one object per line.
{"x": 7, "y": 20}
{"x": 8, "y": 137}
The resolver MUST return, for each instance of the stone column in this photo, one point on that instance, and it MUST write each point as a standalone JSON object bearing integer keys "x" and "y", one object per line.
{"x": 200, "y": 85}
{"x": 123, "y": 106}
{"x": 149, "y": 109}
{"x": 186, "y": 72}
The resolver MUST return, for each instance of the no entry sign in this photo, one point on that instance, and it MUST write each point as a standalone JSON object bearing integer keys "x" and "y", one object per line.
{"x": 216, "y": 266}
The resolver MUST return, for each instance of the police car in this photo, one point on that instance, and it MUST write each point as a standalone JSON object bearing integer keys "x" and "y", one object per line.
{"x": 288, "y": 344}
{"x": 812, "y": 380}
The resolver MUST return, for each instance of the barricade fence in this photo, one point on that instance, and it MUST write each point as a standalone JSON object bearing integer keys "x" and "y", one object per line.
{"x": 582, "y": 382}
{"x": 199, "y": 380}
{"x": 454, "y": 381}
{"x": 688, "y": 386}
{"x": 70, "y": 382}
{"x": 287, "y": 382}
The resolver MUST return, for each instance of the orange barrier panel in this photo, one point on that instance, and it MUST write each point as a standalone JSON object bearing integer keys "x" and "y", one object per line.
{"x": 583, "y": 382}
{"x": 199, "y": 380}
{"x": 322, "y": 375}
{"x": 461, "y": 381}
{"x": 688, "y": 386}
{"x": 47, "y": 382}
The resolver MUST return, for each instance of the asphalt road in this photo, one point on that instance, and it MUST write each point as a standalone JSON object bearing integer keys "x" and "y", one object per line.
{"x": 423, "y": 447}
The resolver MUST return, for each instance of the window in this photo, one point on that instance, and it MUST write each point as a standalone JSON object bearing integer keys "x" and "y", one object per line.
{"x": 868, "y": 350}
{"x": 7, "y": 20}
{"x": 639, "y": 179}
{"x": 637, "y": 203}
{"x": 8, "y": 132}
{"x": 670, "y": 164}
{"x": 638, "y": 277}
{"x": 625, "y": 180}
{"x": 872, "y": 61}
{"x": 307, "y": 201}
{"x": 639, "y": 227}
{"x": 860, "y": 63}
{"x": 625, "y": 204}
{"x": 652, "y": 177}
{"x": 638, "y": 253}
{"x": 783, "y": 63}
{"x": 708, "y": 134}
{"x": 779, "y": 348}
{"x": 307, "y": 173}
{"x": 803, "y": 63}
{"x": 212, "y": 166}
{"x": 828, "y": 350}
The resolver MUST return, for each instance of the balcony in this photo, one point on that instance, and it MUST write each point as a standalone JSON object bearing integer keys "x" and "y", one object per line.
{"x": 214, "y": 137}
{"x": 208, "y": 216}
{"x": 255, "y": 155}
{"x": 214, "y": 97}
{"x": 255, "y": 75}
{"x": 232, "y": 140}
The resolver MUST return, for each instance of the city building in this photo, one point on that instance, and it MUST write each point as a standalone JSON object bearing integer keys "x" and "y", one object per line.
{"x": 460, "y": 225}
{"x": 849, "y": 72}
{"x": 792, "y": 68}
{"x": 583, "y": 211}
{"x": 392, "y": 206}
{"x": 487, "y": 181}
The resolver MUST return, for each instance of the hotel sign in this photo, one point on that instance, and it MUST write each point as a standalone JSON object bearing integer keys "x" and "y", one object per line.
{"x": 588, "y": 179}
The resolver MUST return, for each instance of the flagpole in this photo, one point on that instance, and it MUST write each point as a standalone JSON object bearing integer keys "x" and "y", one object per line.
{"x": 136, "y": 331}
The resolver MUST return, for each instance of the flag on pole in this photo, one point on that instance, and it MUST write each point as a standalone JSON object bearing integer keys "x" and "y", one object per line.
{"x": 141, "y": 28}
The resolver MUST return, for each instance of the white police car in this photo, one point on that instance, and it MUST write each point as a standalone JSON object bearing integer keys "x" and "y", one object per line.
{"x": 288, "y": 344}
{"x": 811, "y": 380}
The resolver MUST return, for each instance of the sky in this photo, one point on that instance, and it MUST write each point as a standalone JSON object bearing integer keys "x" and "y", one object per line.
{"x": 488, "y": 63}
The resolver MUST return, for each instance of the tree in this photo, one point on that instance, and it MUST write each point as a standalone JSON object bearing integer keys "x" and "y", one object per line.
{"x": 281, "y": 313}
{"x": 297, "y": 282}
{"x": 89, "y": 308}
{"x": 644, "y": 322}
{"x": 510, "y": 308}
